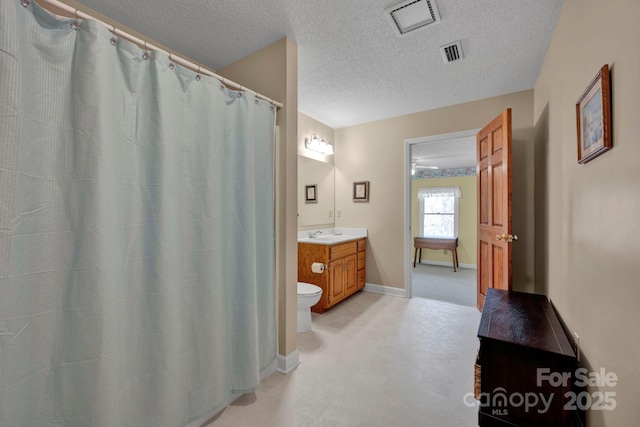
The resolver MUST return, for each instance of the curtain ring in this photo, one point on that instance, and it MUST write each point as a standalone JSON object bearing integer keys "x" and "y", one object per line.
{"x": 76, "y": 22}
{"x": 145, "y": 54}
{"x": 114, "y": 39}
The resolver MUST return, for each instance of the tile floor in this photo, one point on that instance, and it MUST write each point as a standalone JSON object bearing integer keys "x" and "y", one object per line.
{"x": 373, "y": 360}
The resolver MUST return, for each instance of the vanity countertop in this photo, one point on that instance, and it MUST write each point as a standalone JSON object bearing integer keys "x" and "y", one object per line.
{"x": 331, "y": 236}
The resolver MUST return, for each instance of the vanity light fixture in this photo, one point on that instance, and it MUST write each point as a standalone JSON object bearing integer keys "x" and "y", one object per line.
{"x": 318, "y": 145}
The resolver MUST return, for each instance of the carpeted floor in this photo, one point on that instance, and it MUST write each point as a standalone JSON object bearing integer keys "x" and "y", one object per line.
{"x": 442, "y": 284}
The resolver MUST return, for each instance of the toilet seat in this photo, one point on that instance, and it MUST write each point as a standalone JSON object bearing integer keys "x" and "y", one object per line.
{"x": 307, "y": 289}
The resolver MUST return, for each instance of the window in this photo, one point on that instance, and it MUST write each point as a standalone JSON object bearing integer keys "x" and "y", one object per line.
{"x": 439, "y": 211}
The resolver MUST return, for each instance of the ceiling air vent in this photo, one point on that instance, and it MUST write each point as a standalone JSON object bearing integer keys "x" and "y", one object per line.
{"x": 451, "y": 52}
{"x": 409, "y": 15}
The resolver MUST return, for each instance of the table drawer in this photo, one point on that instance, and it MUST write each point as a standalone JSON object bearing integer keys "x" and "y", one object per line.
{"x": 361, "y": 277}
{"x": 362, "y": 245}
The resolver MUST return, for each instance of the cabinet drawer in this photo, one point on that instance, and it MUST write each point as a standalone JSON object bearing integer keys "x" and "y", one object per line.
{"x": 343, "y": 250}
{"x": 361, "y": 259}
{"x": 361, "y": 277}
{"x": 362, "y": 245}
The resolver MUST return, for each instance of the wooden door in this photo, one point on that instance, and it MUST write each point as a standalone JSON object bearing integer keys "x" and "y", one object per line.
{"x": 351, "y": 274}
{"x": 493, "y": 168}
{"x": 336, "y": 281}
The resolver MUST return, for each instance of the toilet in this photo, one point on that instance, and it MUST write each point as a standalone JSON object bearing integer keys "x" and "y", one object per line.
{"x": 308, "y": 295}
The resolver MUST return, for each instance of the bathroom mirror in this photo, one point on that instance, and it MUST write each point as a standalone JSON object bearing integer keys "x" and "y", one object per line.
{"x": 316, "y": 207}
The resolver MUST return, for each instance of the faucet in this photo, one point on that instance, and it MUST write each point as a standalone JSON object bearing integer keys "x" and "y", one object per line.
{"x": 314, "y": 234}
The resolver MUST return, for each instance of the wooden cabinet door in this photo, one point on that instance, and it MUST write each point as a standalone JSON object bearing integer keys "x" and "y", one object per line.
{"x": 362, "y": 257}
{"x": 494, "y": 206}
{"x": 351, "y": 274}
{"x": 336, "y": 281}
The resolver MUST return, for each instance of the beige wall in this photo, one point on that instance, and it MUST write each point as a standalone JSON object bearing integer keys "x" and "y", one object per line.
{"x": 467, "y": 222}
{"x": 589, "y": 225}
{"x": 375, "y": 152}
{"x": 273, "y": 72}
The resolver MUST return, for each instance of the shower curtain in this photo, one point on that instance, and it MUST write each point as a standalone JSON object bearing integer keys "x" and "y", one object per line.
{"x": 136, "y": 231}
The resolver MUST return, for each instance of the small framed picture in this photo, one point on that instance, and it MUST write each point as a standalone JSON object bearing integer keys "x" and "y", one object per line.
{"x": 361, "y": 191}
{"x": 593, "y": 113}
{"x": 311, "y": 193}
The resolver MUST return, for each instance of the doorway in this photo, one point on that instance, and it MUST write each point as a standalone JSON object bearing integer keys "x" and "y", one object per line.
{"x": 446, "y": 152}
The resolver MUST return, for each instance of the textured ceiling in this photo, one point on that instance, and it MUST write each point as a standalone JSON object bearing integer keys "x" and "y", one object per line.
{"x": 353, "y": 67}
{"x": 445, "y": 154}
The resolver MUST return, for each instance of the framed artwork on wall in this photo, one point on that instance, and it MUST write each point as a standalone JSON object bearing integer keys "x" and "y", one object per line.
{"x": 311, "y": 193}
{"x": 593, "y": 115}
{"x": 361, "y": 191}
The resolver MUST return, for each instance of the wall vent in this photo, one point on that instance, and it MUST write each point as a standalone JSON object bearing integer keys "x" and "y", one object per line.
{"x": 451, "y": 52}
{"x": 410, "y": 15}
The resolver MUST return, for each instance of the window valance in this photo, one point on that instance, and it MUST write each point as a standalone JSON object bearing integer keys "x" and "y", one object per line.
{"x": 439, "y": 192}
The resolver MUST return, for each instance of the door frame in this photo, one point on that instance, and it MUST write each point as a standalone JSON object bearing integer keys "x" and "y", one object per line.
{"x": 408, "y": 243}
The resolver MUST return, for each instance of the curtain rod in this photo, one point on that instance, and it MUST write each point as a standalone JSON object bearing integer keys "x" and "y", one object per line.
{"x": 178, "y": 59}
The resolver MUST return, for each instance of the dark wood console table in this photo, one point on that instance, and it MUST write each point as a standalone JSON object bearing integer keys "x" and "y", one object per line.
{"x": 522, "y": 345}
{"x": 436, "y": 243}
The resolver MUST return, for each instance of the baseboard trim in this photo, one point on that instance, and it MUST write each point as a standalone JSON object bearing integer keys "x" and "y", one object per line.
{"x": 288, "y": 363}
{"x": 449, "y": 264}
{"x": 385, "y": 290}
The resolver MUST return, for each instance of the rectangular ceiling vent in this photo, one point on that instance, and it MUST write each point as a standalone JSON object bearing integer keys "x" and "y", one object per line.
{"x": 410, "y": 15}
{"x": 451, "y": 52}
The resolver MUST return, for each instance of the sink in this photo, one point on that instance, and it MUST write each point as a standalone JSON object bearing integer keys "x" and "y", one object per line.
{"x": 328, "y": 239}
{"x": 331, "y": 236}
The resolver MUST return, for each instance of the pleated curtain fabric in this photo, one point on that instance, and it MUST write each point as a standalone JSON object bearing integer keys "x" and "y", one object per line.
{"x": 136, "y": 231}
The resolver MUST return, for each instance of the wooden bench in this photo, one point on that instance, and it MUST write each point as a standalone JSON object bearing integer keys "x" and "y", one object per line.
{"x": 436, "y": 243}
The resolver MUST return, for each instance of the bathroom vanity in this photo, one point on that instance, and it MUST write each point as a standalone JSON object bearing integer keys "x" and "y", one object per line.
{"x": 345, "y": 259}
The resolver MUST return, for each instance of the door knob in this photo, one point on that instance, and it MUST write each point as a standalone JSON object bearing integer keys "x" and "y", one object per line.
{"x": 506, "y": 237}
